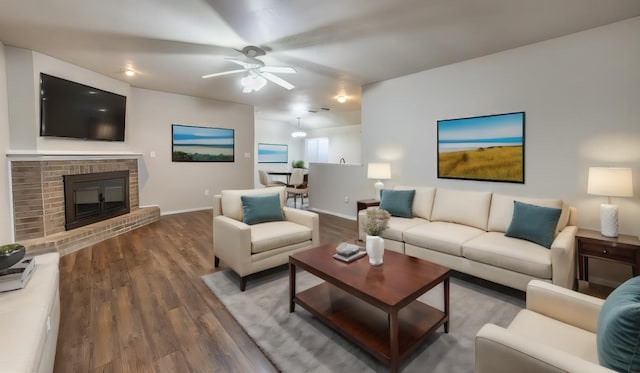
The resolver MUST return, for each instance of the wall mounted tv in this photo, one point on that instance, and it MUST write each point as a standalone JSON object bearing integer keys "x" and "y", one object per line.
{"x": 69, "y": 109}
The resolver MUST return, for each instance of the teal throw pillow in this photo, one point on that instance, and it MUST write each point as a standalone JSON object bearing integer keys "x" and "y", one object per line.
{"x": 533, "y": 223}
{"x": 618, "y": 335}
{"x": 261, "y": 208}
{"x": 397, "y": 202}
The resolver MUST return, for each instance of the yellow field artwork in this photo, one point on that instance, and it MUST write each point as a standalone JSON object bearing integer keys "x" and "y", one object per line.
{"x": 504, "y": 163}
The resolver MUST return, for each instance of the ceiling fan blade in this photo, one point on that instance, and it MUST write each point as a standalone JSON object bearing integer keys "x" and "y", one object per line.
{"x": 278, "y": 69}
{"x": 246, "y": 62}
{"x": 223, "y": 73}
{"x": 279, "y": 81}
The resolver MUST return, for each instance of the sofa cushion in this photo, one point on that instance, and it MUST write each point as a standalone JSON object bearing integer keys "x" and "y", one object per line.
{"x": 555, "y": 334}
{"x": 502, "y": 210}
{"x": 494, "y": 248}
{"x": 397, "y": 227}
{"x": 271, "y": 235}
{"x": 618, "y": 335}
{"x": 232, "y": 204}
{"x": 261, "y": 208}
{"x": 441, "y": 236}
{"x": 463, "y": 207}
{"x": 422, "y": 200}
{"x": 533, "y": 223}
{"x": 397, "y": 202}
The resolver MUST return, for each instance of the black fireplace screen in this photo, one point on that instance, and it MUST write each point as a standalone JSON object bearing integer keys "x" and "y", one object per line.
{"x": 90, "y": 198}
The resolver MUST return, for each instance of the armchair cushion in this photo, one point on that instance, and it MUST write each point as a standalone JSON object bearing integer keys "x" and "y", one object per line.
{"x": 618, "y": 335}
{"x": 534, "y": 223}
{"x": 397, "y": 202}
{"x": 261, "y": 209}
{"x": 272, "y": 235}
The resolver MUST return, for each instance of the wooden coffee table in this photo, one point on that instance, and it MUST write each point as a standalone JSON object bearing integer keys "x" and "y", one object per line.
{"x": 374, "y": 307}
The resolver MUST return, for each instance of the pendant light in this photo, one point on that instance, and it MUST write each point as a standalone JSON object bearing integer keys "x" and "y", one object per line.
{"x": 298, "y": 132}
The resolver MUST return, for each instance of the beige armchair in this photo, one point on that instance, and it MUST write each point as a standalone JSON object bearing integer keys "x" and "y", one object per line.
{"x": 555, "y": 333}
{"x": 248, "y": 249}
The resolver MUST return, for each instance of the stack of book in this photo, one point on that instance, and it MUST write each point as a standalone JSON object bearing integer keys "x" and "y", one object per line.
{"x": 17, "y": 276}
{"x": 347, "y": 252}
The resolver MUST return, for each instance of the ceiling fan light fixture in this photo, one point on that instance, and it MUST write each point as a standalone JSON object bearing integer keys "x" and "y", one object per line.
{"x": 298, "y": 133}
{"x": 252, "y": 83}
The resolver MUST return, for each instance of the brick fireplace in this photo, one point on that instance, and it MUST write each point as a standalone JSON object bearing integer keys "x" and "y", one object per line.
{"x": 39, "y": 204}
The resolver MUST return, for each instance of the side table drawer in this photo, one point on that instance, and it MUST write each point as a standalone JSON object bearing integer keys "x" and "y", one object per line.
{"x": 605, "y": 252}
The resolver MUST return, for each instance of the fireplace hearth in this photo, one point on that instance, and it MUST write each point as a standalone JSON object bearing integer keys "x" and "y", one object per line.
{"x": 90, "y": 198}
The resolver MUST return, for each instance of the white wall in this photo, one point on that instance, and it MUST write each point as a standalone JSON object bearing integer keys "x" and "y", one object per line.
{"x": 182, "y": 186}
{"x": 344, "y": 142}
{"x": 335, "y": 188}
{"x": 581, "y": 95}
{"x": 6, "y": 227}
{"x": 275, "y": 132}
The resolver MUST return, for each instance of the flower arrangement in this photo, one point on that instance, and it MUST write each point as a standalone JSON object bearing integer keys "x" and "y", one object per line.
{"x": 377, "y": 221}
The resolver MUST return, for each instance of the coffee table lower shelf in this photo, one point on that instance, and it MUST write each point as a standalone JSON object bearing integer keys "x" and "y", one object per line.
{"x": 368, "y": 326}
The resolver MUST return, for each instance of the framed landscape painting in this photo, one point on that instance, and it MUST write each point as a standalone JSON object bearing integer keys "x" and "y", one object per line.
{"x": 489, "y": 148}
{"x": 202, "y": 144}
{"x": 273, "y": 153}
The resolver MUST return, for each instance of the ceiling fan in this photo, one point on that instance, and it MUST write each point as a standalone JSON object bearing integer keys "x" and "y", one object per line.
{"x": 258, "y": 73}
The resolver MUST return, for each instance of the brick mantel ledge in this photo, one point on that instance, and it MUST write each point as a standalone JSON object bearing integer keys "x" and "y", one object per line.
{"x": 55, "y": 155}
{"x": 79, "y": 238}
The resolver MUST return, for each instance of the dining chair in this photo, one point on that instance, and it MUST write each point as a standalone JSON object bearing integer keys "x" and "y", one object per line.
{"x": 264, "y": 180}
{"x": 297, "y": 186}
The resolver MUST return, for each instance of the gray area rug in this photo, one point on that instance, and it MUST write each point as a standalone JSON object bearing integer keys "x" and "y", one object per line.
{"x": 297, "y": 342}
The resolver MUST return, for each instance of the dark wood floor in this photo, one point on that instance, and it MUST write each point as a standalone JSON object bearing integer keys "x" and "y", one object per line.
{"x": 136, "y": 303}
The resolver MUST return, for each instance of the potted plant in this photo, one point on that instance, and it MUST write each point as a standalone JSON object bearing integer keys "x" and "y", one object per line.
{"x": 10, "y": 254}
{"x": 377, "y": 222}
{"x": 297, "y": 164}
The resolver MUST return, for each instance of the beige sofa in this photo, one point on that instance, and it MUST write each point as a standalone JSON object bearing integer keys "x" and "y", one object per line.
{"x": 464, "y": 230}
{"x": 248, "y": 249}
{"x": 29, "y": 320}
{"x": 555, "y": 333}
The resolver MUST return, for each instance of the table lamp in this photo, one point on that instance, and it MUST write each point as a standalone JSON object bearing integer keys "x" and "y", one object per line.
{"x": 378, "y": 171}
{"x": 610, "y": 182}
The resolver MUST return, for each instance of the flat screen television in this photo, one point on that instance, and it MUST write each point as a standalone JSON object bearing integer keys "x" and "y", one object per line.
{"x": 70, "y": 109}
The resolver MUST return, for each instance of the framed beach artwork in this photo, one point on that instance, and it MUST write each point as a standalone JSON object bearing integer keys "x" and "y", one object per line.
{"x": 202, "y": 144}
{"x": 273, "y": 153}
{"x": 488, "y": 148}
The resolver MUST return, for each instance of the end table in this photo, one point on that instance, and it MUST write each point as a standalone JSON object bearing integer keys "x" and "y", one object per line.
{"x": 362, "y": 205}
{"x": 624, "y": 249}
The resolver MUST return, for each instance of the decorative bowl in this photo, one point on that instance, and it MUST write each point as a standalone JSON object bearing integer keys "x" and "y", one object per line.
{"x": 10, "y": 254}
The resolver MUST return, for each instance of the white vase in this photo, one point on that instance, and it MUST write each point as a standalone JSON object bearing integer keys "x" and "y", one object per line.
{"x": 375, "y": 249}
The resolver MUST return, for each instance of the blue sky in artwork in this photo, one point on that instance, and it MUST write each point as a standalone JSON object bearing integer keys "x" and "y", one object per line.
{"x": 183, "y": 135}
{"x": 469, "y": 133}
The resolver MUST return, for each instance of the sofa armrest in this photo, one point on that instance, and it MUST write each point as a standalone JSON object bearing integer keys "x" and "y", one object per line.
{"x": 567, "y": 306}
{"x": 563, "y": 258}
{"x": 232, "y": 243}
{"x": 306, "y": 218}
{"x": 500, "y": 351}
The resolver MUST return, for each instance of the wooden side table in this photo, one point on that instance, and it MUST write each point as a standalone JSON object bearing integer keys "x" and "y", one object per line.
{"x": 362, "y": 205}
{"x": 623, "y": 249}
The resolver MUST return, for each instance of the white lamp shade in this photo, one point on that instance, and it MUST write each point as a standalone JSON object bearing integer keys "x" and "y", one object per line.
{"x": 610, "y": 182}
{"x": 379, "y": 171}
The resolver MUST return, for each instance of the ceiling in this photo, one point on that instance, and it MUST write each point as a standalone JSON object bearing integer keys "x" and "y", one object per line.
{"x": 336, "y": 46}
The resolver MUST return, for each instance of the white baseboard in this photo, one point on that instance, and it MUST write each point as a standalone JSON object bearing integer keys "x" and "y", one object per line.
{"x": 349, "y": 217}
{"x": 173, "y": 212}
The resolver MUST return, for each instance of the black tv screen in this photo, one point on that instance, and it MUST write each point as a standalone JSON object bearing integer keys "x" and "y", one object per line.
{"x": 69, "y": 109}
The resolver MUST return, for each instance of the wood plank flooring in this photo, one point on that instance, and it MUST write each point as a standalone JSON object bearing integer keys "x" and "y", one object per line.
{"x": 136, "y": 303}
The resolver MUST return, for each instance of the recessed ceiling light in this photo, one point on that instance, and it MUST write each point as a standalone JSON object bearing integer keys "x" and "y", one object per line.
{"x": 129, "y": 72}
{"x": 342, "y": 99}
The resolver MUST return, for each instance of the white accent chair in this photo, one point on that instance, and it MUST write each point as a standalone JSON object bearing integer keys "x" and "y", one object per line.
{"x": 264, "y": 180}
{"x": 555, "y": 333}
{"x": 248, "y": 249}
{"x": 297, "y": 186}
